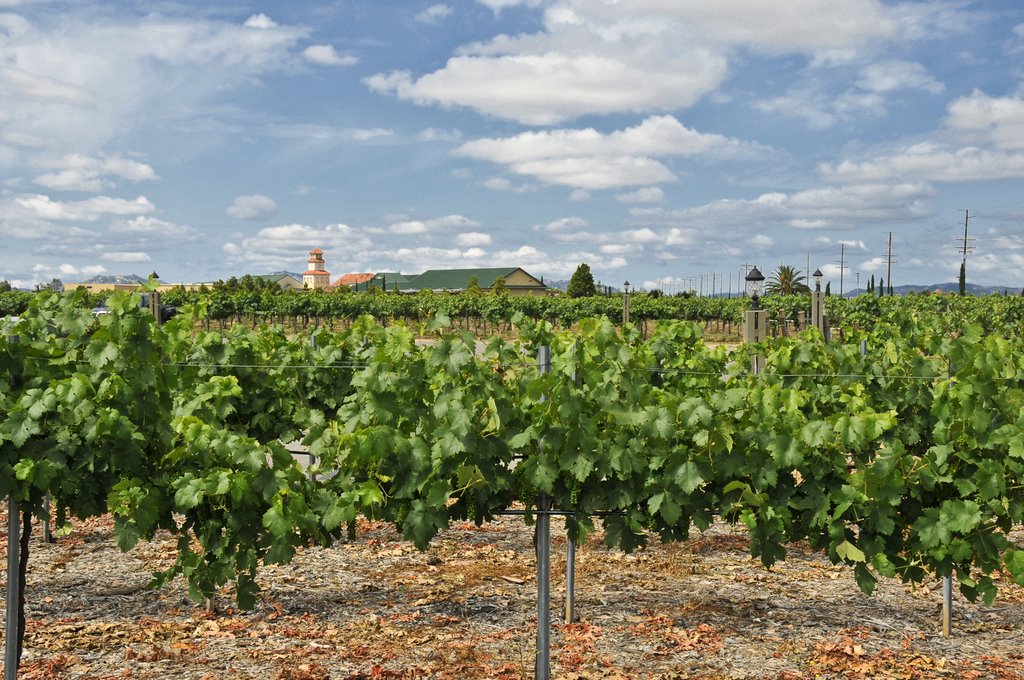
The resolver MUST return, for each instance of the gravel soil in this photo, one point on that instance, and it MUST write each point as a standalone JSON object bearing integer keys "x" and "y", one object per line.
{"x": 375, "y": 607}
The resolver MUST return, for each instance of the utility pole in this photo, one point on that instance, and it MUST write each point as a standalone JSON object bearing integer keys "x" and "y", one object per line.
{"x": 714, "y": 281}
{"x": 857, "y": 274}
{"x": 842, "y": 266}
{"x": 888, "y": 263}
{"x": 964, "y": 249}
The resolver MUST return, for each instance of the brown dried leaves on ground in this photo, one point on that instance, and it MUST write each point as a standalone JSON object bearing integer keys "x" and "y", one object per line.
{"x": 377, "y": 608}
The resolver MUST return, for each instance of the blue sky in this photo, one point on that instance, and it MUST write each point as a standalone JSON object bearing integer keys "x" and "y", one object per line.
{"x": 656, "y": 140}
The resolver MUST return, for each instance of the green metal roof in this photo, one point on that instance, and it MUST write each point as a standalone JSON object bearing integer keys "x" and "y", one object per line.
{"x": 457, "y": 279}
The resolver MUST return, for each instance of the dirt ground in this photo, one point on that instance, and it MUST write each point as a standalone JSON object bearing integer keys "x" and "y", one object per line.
{"x": 378, "y": 608}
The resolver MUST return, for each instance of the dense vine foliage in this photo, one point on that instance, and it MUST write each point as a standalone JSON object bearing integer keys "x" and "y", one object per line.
{"x": 905, "y": 462}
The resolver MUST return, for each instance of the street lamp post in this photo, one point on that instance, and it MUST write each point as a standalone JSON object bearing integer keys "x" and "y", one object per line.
{"x": 818, "y": 304}
{"x": 755, "y": 328}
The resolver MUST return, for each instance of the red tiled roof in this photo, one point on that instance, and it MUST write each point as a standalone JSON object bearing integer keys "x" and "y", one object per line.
{"x": 315, "y": 271}
{"x": 316, "y": 251}
{"x": 352, "y": 279}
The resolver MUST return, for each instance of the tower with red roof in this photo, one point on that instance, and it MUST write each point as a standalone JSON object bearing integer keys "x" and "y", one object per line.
{"x": 316, "y": 276}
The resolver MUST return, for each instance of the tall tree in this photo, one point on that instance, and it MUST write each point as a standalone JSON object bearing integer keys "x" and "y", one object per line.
{"x": 881, "y": 286}
{"x": 787, "y": 280}
{"x": 582, "y": 283}
{"x": 499, "y": 287}
{"x": 963, "y": 277}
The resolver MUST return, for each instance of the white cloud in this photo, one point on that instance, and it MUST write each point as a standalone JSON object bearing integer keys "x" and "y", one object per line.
{"x": 125, "y": 257}
{"x": 77, "y": 172}
{"x": 287, "y": 246}
{"x": 579, "y": 195}
{"x": 152, "y": 229}
{"x": 890, "y": 76}
{"x": 930, "y": 162}
{"x": 252, "y": 207}
{"x": 498, "y": 5}
{"x": 645, "y": 195}
{"x": 434, "y": 14}
{"x": 260, "y": 21}
{"x": 841, "y": 207}
{"x": 591, "y": 160}
{"x": 41, "y": 207}
{"x": 326, "y": 55}
{"x": 366, "y": 134}
{"x": 79, "y": 78}
{"x": 562, "y": 224}
{"x": 431, "y": 226}
{"x": 66, "y": 270}
{"x": 995, "y": 120}
{"x": 599, "y": 57}
{"x": 473, "y": 238}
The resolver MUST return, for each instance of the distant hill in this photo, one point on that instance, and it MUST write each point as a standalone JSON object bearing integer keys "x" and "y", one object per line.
{"x": 949, "y": 287}
{"x": 130, "y": 279}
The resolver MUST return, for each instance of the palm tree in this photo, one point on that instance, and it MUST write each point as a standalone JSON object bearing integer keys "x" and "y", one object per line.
{"x": 787, "y": 280}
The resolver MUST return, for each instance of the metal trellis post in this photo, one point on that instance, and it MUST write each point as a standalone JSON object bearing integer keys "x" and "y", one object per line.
{"x": 13, "y": 589}
{"x": 542, "y": 666}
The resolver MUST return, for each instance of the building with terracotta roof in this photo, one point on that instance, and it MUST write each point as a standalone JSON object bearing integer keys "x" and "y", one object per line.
{"x": 316, "y": 277}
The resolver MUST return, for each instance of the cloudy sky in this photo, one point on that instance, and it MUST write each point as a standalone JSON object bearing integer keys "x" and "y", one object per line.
{"x": 655, "y": 140}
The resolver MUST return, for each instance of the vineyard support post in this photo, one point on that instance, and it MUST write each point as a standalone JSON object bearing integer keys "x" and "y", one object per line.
{"x": 13, "y": 589}
{"x": 947, "y": 581}
{"x": 542, "y": 665}
{"x": 570, "y": 581}
{"x": 947, "y": 606}
{"x": 47, "y": 532}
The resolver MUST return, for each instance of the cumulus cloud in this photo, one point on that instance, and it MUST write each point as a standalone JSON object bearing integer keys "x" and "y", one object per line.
{"x": 125, "y": 257}
{"x": 42, "y": 207}
{"x": 287, "y": 246}
{"x": 434, "y": 14}
{"x": 597, "y": 57}
{"x": 992, "y": 126}
{"x": 473, "y": 238}
{"x": 74, "y": 80}
{"x": 437, "y": 224}
{"x": 77, "y": 172}
{"x": 67, "y": 270}
{"x": 148, "y": 229}
{"x": 326, "y": 55}
{"x": 998, "y": 121}
{"x": 839, "y": 207}
{"x": 252, "y": 207}
{"x": 890, "y": 76}
{"x": 591, "y": 160}
{"x": 260, "y": 21}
